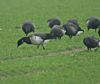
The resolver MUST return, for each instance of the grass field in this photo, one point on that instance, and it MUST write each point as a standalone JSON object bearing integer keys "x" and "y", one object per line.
{"x": 64, "y": 61}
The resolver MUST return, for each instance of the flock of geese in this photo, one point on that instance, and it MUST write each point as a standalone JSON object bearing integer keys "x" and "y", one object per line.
{"x": 71, "y": 28}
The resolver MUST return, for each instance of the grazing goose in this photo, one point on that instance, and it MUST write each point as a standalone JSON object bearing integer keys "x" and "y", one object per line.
{"x": 74, "y": 21}
{"x": 57, "y": 31}
{"x": 53, "y": 21}
{"x": 71, "y": 29}
{"x": 28, "y": 27}
{"x": 91, "y": 42}
{"x": 35, "y": 39}
{"x": 93, "y": 23}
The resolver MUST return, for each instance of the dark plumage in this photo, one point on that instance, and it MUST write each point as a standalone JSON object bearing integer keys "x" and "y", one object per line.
{"x": 53, "y": 21}
{"x": 74, "y": 21}
{"x": 57, "y": 31}
{"x": 28, "y": 27}
{"x": 93, "y": 23}
{"x": 91, "y": 42}
{"x": 72, "y": 29}
{"x": 35, "y": 39}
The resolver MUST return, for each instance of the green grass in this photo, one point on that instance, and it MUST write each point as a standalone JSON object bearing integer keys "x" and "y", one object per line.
{"x": 64, "y": 61}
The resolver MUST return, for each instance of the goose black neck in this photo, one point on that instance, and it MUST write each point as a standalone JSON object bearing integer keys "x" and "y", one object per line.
{"x": 27, "y": 40}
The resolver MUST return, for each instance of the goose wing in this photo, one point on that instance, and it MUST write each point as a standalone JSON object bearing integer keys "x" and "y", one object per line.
{"x": 71, "y": 29}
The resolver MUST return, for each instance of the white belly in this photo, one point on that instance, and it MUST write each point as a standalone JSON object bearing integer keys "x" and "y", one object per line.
{"x": 46, "y": 41}
{"x": 99, "y": 43}
{"x": 36, "y": 40}
{"x": 79, "y": 32}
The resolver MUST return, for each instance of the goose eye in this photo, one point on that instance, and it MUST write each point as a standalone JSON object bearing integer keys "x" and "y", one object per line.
{"x": 22, "y": 40}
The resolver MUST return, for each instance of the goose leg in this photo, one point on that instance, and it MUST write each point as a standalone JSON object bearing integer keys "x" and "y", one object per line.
{"x": 43, "y": 47}
{"x": 38, "y": 46}
{"x": 95, "y": 30}
{"x": 97, "y": 48}
{"x": 88, "y": 28}
{"x": 89, "y": 49}
{"x": 59, "y": 38}
{"x": 70, "y": 37}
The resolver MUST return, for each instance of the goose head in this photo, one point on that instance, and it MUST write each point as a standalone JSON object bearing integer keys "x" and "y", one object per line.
{"x": 22, "y": 40}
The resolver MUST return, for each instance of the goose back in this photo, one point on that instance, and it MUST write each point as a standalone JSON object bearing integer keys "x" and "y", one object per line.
{"x": 28, "y": 27}
{"x": 91, "y": 42}
{"x": 93, "y": 22}
{"x": 71, "y": 29}
{"x": 53, "y": 21}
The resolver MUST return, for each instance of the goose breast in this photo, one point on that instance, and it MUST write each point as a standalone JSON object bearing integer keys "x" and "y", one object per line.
{"x": 36, "y": 40}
